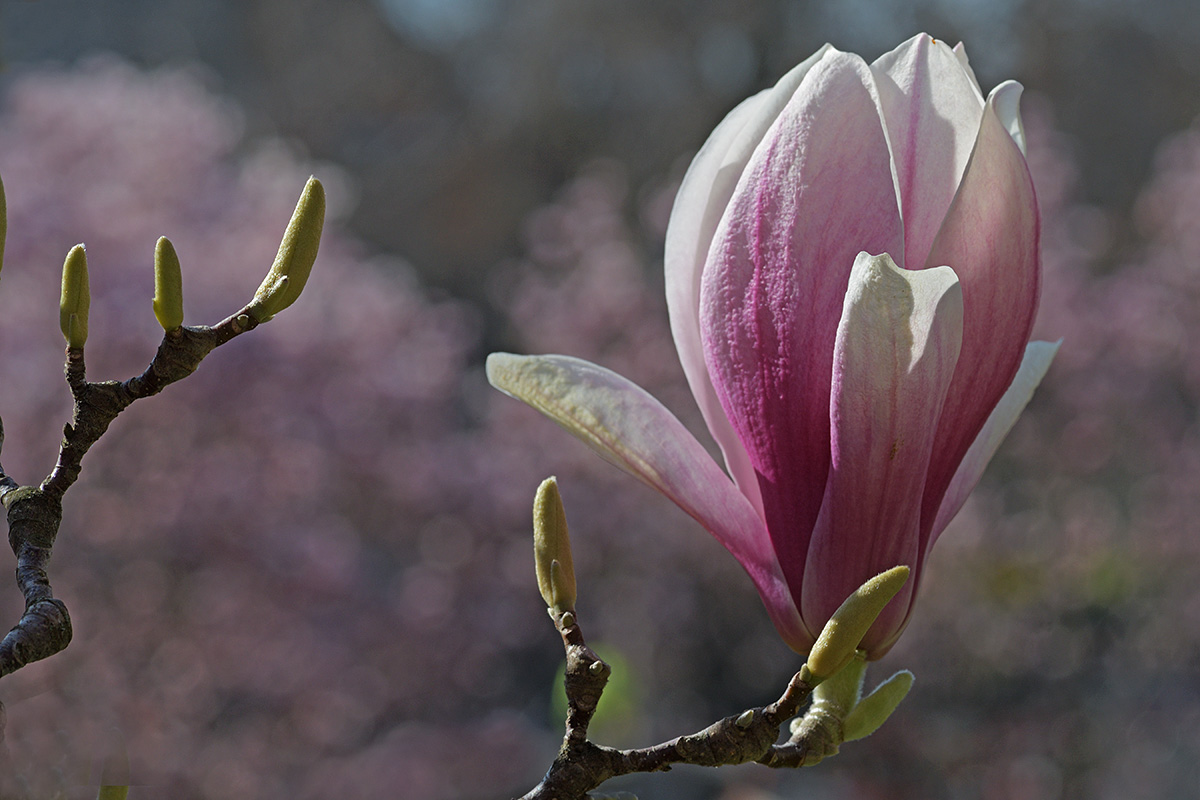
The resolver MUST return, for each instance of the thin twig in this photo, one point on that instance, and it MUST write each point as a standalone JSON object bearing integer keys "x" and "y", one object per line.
{"x": 35, "y": 512}
{"x": 581, "y": 766}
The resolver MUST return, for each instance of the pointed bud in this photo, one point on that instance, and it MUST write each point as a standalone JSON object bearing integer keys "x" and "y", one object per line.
{"x": 874, "y": 709}
{"x": 75, "y": 299}
{"x": 168, "y": 285}
{"x": 552, "y": 549}
{"x": 296, "y": 255}
{"x": 849, "y": 624}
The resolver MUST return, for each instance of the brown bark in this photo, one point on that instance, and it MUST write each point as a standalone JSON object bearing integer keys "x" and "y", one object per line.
{"x": 35, "y": 512}
{"x": 581, "y": 766}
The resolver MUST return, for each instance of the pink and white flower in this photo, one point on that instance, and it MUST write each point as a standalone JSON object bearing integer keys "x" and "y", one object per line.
{"x": 852, "y": 275}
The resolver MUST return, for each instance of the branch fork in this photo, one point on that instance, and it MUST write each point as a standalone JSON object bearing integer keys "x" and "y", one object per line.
{"x": 833, "y": 675}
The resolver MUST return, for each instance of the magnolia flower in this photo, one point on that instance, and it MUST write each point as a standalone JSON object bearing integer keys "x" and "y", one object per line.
{"x": 852, "y": 275}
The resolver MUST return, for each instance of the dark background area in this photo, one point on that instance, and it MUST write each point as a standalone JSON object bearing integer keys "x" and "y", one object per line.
{"x": 457, "y": 118}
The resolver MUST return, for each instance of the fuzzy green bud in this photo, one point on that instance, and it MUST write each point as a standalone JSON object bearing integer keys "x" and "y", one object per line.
{"x": 840, "y": 637}
{"x": 552, "y": 549}
{"x": 75, "y": 299}
{"x": 874, "y": 709}
{"x": 840, "y": 692}
{"x": 296, "y": 255}
{"x": 168, "y": 285}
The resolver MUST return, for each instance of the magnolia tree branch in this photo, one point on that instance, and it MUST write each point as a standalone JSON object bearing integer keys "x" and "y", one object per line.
{"x": 34, "y": 512}
{"x": 581, "y": 766}
{"x": 833, "y": 675}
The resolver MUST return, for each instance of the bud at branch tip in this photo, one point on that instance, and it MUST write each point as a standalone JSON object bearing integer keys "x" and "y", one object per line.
{"x": 75, "y": 299}
{"x": 168, "y": 285}
{"x": 552, "y": 549}
{"x": 296, "y": 255}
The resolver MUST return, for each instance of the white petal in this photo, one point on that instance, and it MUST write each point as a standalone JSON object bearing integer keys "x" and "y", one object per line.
{"x": 932, "y": 108}
{"x": 898, "y": 343}
{"x": 1007, "y": 98}
{"x": 960, "y": 50}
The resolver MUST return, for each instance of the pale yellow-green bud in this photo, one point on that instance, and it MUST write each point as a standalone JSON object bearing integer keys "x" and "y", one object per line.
{"x": 296, "y": 255}
{"x": 840, "y": 692}
{"x": 841, "y": 636}
{"x": 168, "y": 285}
{"x": 552, "y": 549}
{"x": 874, "y": 709}
{"x": 75, "y": 299}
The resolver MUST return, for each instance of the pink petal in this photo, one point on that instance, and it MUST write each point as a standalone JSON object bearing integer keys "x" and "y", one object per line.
{"x": 817, "y": 191}
{"x": 1038, "y": 356}
{"x": 897, "y": 346}
{"x": 701, "y": 201}
{"x": 932, "y": 108}
{"x": 632, "y": 430}
{"x": 990, "y": 239}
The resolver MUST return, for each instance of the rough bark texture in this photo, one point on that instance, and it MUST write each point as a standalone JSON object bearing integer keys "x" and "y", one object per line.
{"x": 581, "y": 766}
{"x": 35, "y": 512}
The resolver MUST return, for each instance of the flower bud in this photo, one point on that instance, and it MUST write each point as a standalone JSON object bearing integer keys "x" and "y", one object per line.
{"x": 552, "y": 549}
{"x": 75, "y": 299}
{"x": 841, "y": 636}
{"x": 168, "y": 285}
{"x": 296, "y": 255}
{"x": 874, "y": 709}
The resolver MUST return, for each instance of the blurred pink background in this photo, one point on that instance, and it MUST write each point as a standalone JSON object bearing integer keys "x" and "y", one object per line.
{"x": 306, "y": 570}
